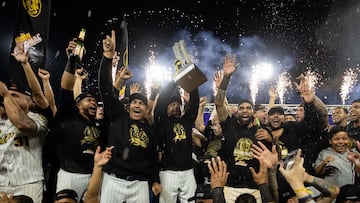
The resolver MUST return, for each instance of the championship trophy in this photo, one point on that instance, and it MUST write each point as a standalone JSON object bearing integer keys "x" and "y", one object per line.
{"x": 188, "y": 75}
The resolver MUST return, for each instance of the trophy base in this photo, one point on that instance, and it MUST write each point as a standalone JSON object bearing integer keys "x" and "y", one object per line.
{"x": 190, "y": 78}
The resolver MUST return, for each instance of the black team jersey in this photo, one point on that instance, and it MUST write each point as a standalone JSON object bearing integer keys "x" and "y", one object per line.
{"x": 175, "y": 134}
{"x": 76, "y": 137}
{"x": 236, "y": 153}
{"x": 134, "y": 154}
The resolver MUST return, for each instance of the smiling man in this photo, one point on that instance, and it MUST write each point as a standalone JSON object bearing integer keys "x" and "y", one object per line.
{"x": 133, "y": 165}
{"x": 76, "y": 132}
{"x": 240, "y": 134}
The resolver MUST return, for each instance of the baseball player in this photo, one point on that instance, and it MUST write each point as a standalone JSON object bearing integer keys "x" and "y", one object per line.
{"x": 77, "y": 134}
{"x": 21, "y": 138}
{"x": 134, "y": 158}
{"x": 175, "y": 131}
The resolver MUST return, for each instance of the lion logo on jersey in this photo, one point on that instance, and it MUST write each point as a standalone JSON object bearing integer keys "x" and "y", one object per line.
{"x": 138, "y": 137}
{"x": 242, "y": 151}
{"x": 179, "y": 131}
{"x": 32, "y": 7}
{"x": 91, "y": 135}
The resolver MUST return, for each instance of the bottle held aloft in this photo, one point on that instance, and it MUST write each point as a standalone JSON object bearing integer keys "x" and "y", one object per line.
{"x": 80, "y": 48}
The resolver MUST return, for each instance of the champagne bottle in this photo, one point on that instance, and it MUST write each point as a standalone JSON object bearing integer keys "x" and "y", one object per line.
{"x": 79, "y": 49}
{"x": 258, "y": 124}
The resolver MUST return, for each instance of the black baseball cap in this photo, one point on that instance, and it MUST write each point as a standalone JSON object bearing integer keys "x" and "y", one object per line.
{"x": 138, "y": 96}
{"x": 83, "y": 96}
{"x": 276, "y": 109}
{"x": 20, "y": 88}
{"x": 66, "y": 193}
{"x": 258, "y": 107}
{"x": 349, "y": 192}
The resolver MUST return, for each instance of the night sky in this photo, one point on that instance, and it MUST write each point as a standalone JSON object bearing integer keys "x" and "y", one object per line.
{"x": 294, "y": 36}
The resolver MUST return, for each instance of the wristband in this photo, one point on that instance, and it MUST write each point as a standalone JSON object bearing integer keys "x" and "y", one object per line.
{"x": 303, "y": 190}
{"x": 71, "y": 65}
{"x": 305, "y": 199}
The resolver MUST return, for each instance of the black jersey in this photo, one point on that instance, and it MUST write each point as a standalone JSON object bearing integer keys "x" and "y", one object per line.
{"x": 175, "y": 134}
{"x": 236, "y": 153}
{"x": 76, "y": 137}
{"x": 134, "y": 156}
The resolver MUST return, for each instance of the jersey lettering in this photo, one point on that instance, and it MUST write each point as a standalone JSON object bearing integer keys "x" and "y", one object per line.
{"x": 7, "y": 137}
{"x": 21, "y": 141}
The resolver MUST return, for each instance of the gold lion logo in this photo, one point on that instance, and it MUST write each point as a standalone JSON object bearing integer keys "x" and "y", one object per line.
{"x": 179, "y": 131}
{"x": 32, "y": 7}
{"x": 242, "y": 151}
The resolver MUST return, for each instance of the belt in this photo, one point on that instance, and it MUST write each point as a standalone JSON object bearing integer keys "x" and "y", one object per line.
{"x": 129, "y": 178}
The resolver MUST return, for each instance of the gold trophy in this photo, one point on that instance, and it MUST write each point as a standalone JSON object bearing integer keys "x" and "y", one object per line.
{"x": 187, "y": 75}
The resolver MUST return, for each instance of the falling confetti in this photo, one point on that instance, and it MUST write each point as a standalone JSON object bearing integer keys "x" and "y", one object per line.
{"x": 298, "y": 34}
{"x": 313, "y": 78}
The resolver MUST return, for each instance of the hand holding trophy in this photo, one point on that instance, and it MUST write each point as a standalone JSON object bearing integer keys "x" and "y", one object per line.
{"x": 188, "y": 75}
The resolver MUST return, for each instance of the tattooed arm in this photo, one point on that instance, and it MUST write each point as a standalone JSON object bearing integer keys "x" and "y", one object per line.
{"x": 329, "y": 191}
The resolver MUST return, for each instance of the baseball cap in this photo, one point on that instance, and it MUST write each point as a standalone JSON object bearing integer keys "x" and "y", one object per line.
{"x": 348, "y": 192}
{"x": 66, "y": 193}
{"x": 175, "y": 97}
{"x": 258, "y": 107}
{"x": 139, "y": 97}
{"x": 19, "y": 88}
{"x": 203, "y": 191}
{"x": 83, "y": 96}
{"x": 276, "y": 109}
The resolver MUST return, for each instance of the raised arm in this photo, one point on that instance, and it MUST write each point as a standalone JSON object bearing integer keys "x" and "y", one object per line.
{"x": 16, "y": 115}
{"x": 118, "y": 81}
{"x": 295, "y": 177}
{"x": 354, "y": 156}
{"x": 108, "y": 96}
{"x": 199, "y": 122}
{"x": 270, "y": 160}
{"x": 272, "y": 97}
{"x": 218, "y": 178}
{"x": 329, "y": 191}
{"x": 67, "y": 78}
{"x": 309, "y": 97}
{"x": 217, "y": 81}
{"x": 322, "y": 110}
{"x": 154, "y": 94}
{"x": 22, "y": 57}
{"x": 80, "y": 75}
{"x": 100, "y": 159}
{"x": 229, "y": 68}
{"x": 48, "y": 91}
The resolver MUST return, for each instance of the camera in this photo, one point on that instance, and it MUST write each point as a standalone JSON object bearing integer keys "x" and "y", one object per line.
{"x": 289, "y": 160}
